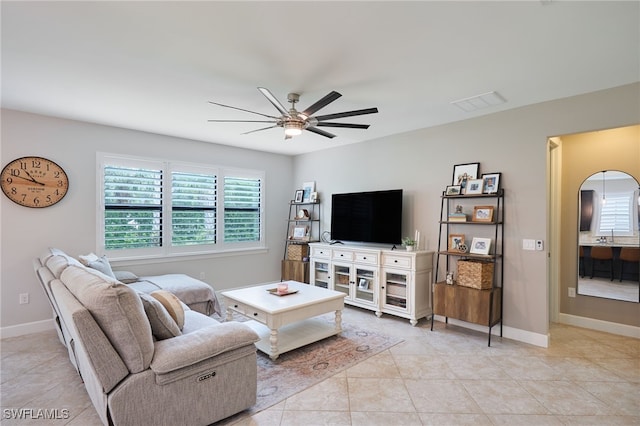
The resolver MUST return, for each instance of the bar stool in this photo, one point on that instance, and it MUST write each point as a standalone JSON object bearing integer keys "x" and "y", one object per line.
{"x": 631, "y": 255}
{"x": 602, "y": 254}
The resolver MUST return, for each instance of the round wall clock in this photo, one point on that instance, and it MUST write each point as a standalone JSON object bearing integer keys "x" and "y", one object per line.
{"x": 34, "y": 182}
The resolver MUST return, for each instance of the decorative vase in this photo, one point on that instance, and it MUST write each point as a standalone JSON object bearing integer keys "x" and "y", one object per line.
{"x": 409, "y": 248}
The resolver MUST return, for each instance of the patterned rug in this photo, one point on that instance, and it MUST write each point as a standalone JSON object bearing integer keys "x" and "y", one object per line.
{"x": 302, "y": 368}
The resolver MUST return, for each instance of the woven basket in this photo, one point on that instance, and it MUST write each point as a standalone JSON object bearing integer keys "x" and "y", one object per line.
{"x": 475, "y": 274}
{"x": 297, "y": 251}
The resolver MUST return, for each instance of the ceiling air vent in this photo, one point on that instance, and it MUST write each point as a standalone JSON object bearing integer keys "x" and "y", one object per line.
{"x": 479, "y": 101}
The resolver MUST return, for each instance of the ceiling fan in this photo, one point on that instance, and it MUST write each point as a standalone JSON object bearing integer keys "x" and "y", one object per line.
{"x": 294, "y": 121}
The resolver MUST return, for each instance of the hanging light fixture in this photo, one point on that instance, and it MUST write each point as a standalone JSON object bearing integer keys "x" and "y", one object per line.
{"x": 293, "y": 127}
{"x": 604, "y": 192}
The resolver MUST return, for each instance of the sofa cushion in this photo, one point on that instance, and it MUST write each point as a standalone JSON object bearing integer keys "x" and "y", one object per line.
{"x": 119, "y": 312}
{"x": 58, "y": 262}
{"x": 163, "y": 326}
{"x": 172, "y": 304}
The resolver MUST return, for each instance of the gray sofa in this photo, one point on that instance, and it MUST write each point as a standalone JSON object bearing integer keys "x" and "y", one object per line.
{"x": 148, "y": 359}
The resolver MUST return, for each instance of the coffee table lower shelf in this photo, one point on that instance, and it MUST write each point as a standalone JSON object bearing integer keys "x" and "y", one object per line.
{"x": 292, "y": 336}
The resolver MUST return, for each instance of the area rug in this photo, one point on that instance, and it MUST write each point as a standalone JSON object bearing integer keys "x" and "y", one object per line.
{"x": 302, "y": 368}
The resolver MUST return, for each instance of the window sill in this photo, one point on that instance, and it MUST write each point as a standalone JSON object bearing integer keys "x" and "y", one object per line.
{"x": 179, "y": 257}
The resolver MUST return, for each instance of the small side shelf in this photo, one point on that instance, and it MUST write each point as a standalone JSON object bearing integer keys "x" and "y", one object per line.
{"x": 303, "y": 227}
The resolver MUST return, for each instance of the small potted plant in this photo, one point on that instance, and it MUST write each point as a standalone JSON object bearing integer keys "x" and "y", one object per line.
{"x": 409, "y": 243}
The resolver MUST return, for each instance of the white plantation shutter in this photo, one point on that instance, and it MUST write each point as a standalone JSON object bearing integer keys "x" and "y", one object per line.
{"x": 242, "y": 210}
{"x": 153, "y": 208}
{"x": 133, "y": 207}
{"x": 193, "y": 200}
{"x": 616, "y": 215}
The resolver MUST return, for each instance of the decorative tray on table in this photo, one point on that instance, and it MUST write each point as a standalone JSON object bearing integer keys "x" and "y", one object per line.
{"x": 277, "y": 293}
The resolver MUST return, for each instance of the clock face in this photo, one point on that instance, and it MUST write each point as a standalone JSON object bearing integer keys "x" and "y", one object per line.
{"x": 34, "y": 182}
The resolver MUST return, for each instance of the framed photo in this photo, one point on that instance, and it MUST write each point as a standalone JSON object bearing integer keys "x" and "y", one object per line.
{"x": 462, "y": 173}
{"x": 308, "y": 188}
{"x": 299, "y": 196}
{"x": 313, "y": 198}
{"x": 480, "y": 245}
{"x": 482, "y": 214}
{"x": 455, "y": 242}
{"x": 490, "y": 183}
{"x": 474, "y": 186}
{"x": 299, "y": 233}
{"x": 363, "y": 284}
{"x": 453, "y": 190}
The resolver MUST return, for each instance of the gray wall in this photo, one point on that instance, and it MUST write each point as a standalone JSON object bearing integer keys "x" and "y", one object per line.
{"x": 512, "y": 142}
{"x": 71, "y": 224}
{"x": 421, "y": 162}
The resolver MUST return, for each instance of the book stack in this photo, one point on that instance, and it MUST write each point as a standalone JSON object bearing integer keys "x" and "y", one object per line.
{"x": 457, "y": 217}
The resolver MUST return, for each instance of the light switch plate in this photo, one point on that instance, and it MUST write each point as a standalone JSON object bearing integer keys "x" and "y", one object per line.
{"x": 528, "y": 244}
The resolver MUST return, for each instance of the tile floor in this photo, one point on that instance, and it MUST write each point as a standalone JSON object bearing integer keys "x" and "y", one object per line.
{"x": 443, "y": 377}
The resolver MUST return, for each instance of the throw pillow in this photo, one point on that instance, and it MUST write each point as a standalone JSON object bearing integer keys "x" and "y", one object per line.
{"x": 172, "y": 304}
{"x": 102, "y": 265}
{"x": 125, "y": 277}
{"x": 162, "y": 324}
{"x": 86, "y": 258}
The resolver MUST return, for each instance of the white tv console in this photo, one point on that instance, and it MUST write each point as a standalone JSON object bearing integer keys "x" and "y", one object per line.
{"x": 395, "y": 282}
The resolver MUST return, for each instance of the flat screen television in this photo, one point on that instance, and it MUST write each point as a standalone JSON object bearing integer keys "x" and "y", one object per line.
{"x": 368, "y": 217}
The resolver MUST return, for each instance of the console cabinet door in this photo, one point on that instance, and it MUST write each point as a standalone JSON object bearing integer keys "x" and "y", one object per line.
{"x": 365, "y": 286}
{"x": 341, "y": 273}
{"x": 320, "y": 275}
{"x": 396, "y": 290}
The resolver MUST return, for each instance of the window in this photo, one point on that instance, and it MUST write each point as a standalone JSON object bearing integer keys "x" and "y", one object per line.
{"x": 241, "y": 209}
{"x": 161, "y": 208}
{"x": 616, "y": 215}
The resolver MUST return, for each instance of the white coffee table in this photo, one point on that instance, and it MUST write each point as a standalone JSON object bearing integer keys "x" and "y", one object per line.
{"x": 287, "y": 322}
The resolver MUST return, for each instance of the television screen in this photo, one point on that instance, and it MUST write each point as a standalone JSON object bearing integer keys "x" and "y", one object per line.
{"x": 369, "y": 217}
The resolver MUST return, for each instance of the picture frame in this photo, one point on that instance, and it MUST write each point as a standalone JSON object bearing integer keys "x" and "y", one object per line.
{"x": 299, "y": 233}
{"x": 482, "y": 214}
{"x": 491, "y": 182}
{"x": 474, "y": 187}
{"x": 452, "y": 190}
{"x": 308, "y": 188}
{"x": 299, "y": 196}
{"x": 455, "y": 241}
{"x": 363, "y": 284}
{"x": 480, "y": 246}
{"x": 463, "y": 173}
{"x": 313, "y": 198}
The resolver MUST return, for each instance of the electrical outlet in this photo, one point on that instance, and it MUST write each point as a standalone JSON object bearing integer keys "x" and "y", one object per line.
{"x": 24, "y": 298}
{"x": 572, "y": 292}
{"x": 202, "y": 275}
{"x": 539, "y": 245}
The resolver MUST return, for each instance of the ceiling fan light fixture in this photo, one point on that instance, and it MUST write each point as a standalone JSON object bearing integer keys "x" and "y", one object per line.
{"x": 293, "y": 128}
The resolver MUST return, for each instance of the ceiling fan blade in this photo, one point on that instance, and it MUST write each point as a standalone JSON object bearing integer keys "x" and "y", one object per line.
{"x": 347, "y": 114}
{"x": 275, "y": 102}
{"x": 347, "y": 125}
{"x": 321, "y": 103}
{"x": 244, "y": 121}
{"x": 321, "y": 132}
{"x": 259, "y": 130}
{"x": 242, "y": 109}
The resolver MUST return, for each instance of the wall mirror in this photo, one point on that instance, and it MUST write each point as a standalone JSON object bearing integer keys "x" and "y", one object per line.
{"x": 608, "y": 238}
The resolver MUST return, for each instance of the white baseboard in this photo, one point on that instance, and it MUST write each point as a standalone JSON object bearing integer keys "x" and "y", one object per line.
{"x": 26, "y": 328}
{"x": 517, "y": 334}
{"x": 596, "y": 324}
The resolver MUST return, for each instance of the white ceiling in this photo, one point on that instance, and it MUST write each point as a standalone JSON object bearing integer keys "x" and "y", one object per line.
{"x": 153, "y": 66}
